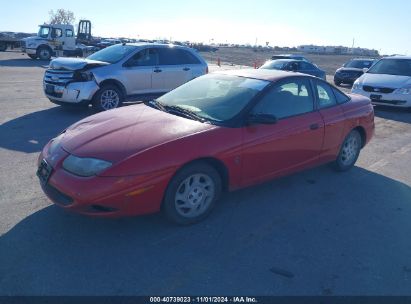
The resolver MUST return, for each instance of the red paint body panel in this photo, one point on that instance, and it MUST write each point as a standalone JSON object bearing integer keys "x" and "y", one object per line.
{"x": 275, "y": 150}
{"x": 147, "y": 147}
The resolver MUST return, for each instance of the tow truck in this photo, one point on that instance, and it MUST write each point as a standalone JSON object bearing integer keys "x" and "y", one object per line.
{"x": 60, "y": 40}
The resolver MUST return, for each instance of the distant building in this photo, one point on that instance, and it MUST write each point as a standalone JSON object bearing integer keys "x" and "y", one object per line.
{"x": 338, "y": 50}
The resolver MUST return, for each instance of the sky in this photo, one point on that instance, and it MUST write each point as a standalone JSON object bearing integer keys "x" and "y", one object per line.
{"x": 381, "y": 25}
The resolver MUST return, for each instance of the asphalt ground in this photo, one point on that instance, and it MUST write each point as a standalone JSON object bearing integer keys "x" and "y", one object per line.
{"x": 313, "y": 233}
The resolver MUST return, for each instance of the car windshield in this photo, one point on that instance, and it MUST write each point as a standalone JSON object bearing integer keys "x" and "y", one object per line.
{"x": 112, "y": 54}
{"x": 214, "y": 97}
{"x": 401, "y": 67}
{"x": 274, "y": 65}
{"x": 44, "y": 31}
{"x": 358, "y": 64}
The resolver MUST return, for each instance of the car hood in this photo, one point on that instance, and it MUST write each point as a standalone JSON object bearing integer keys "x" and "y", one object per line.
{"x": 349, "y": 70}
{"x": 117, "y": 134}
{"x": 73, "y": 64}
{"x": 385, "y": 80}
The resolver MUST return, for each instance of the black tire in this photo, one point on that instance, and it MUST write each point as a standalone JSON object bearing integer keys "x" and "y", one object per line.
{"x": 205, "y": 189}
{"x": 32, "y": 56}
{"x": 44, "y": 52}
{"x": 102, "y": 100}
{"x": 349, "y": 151}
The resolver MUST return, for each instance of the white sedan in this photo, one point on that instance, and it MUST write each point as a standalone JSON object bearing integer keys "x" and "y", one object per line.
{"x": 387, "y": 82}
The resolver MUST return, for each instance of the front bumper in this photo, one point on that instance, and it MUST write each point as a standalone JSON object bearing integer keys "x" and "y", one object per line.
{"x": 341, "y": 79}
{"x": 392, "y": 99}
{"x": 73, "y": 93}
{"x": 102, "y": 196}
{"x": 30, "y": 51}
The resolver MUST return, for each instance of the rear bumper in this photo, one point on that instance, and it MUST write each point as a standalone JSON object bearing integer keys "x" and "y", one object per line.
{"x": 394, "y": 100}
{"x": 72, "y": 93}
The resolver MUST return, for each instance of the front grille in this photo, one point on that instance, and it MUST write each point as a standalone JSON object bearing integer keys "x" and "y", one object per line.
{"x": 54, "y": 94}
{"x": 57, "y": 196}
{"x": 378, "y": 90}
{"x": 58, "y": 77}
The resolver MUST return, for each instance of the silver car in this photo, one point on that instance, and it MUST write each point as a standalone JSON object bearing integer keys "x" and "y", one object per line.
{"x": 387, "y": 82}
{"x": 107, "y": 78}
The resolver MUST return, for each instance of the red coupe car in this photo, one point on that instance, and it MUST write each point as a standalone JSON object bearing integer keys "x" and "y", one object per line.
{"x": 219, "y": 132}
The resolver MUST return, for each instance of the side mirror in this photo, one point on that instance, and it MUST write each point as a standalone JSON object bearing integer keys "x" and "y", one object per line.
{"x": 365, "y": 70}
{"x": 263, "y": 119}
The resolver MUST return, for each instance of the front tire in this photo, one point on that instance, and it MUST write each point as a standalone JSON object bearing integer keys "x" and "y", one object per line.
{"x": 192, "y": 194}
{"x": 44, "y": 53}
{"x": 349, "y": 151}
{"x": 107, "y": 98}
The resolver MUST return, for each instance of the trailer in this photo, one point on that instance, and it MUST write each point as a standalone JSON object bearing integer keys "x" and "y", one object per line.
{"x": 8, "y": 42}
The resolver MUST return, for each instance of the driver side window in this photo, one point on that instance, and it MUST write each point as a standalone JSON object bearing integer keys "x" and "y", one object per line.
{"x": 287, "y": 99}
{"x": 146, "y": 57}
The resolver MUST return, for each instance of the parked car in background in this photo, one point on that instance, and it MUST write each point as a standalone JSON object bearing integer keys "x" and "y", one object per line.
{"x": 221, "y": 131}
{"x": 387, "y": 82}
{"x": 108, "y": 42}
{"x": 289, "y": 56}
{"x": 351, "y": 70}
{"x": 294, "y": 66}
{"x": 123, "y": 71}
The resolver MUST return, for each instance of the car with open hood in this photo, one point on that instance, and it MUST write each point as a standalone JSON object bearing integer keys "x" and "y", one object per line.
{"x": 133, "y": 71}
{"x": 387, "y": 82}
{"x": 222, "y": 131}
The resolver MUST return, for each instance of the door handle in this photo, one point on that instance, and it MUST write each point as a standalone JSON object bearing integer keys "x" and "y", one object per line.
{"x": 186, "y": 69}
{"x": 157, "y": 70}
{"x": 314, "y": 127}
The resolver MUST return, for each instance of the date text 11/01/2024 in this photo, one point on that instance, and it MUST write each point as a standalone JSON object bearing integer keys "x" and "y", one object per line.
{"x": 203, "y": 300}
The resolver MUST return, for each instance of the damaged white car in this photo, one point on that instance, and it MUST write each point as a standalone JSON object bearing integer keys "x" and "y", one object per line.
{"x": 135, "y": 71}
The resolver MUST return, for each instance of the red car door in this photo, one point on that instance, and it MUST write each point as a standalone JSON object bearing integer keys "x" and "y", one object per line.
{"x": 334, "y": 120}
{"x": 291, "y": 144}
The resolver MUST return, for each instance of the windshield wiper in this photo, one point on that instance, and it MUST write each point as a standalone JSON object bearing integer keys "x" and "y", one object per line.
{"x": 157, "y": 104}
{"x": 184, "y": 112}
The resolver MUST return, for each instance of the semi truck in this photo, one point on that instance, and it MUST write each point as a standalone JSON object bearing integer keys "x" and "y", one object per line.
{"x": 60, "y": 40}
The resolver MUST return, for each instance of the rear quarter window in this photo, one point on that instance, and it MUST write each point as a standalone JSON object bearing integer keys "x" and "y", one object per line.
{"x": 173, "y": 56}
{"x": 341, "y": 97}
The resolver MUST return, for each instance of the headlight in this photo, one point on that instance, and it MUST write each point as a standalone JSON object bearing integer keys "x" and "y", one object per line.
{"x": 85, "y": 166}
{"x": 403, "y": 91}
{"x": 84, "y": 76}
{"x": 356, "y": 86}
{"x": 55, "y": 143}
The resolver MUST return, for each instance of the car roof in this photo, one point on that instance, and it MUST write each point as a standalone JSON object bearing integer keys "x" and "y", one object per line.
{"x": 397, "y": 57}
{"x": 156, "y": 44}
{"x": 263, "y": 74}
{"x": 363, "y": 59}
{"x": 285, "y": 60}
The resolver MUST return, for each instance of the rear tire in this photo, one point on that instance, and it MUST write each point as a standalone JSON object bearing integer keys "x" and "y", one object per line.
{"x": 192, "y": 194}
{"x": 44, "y": 53}
{"x": 107, "y": 98}
{"x": 349, "y": 151}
